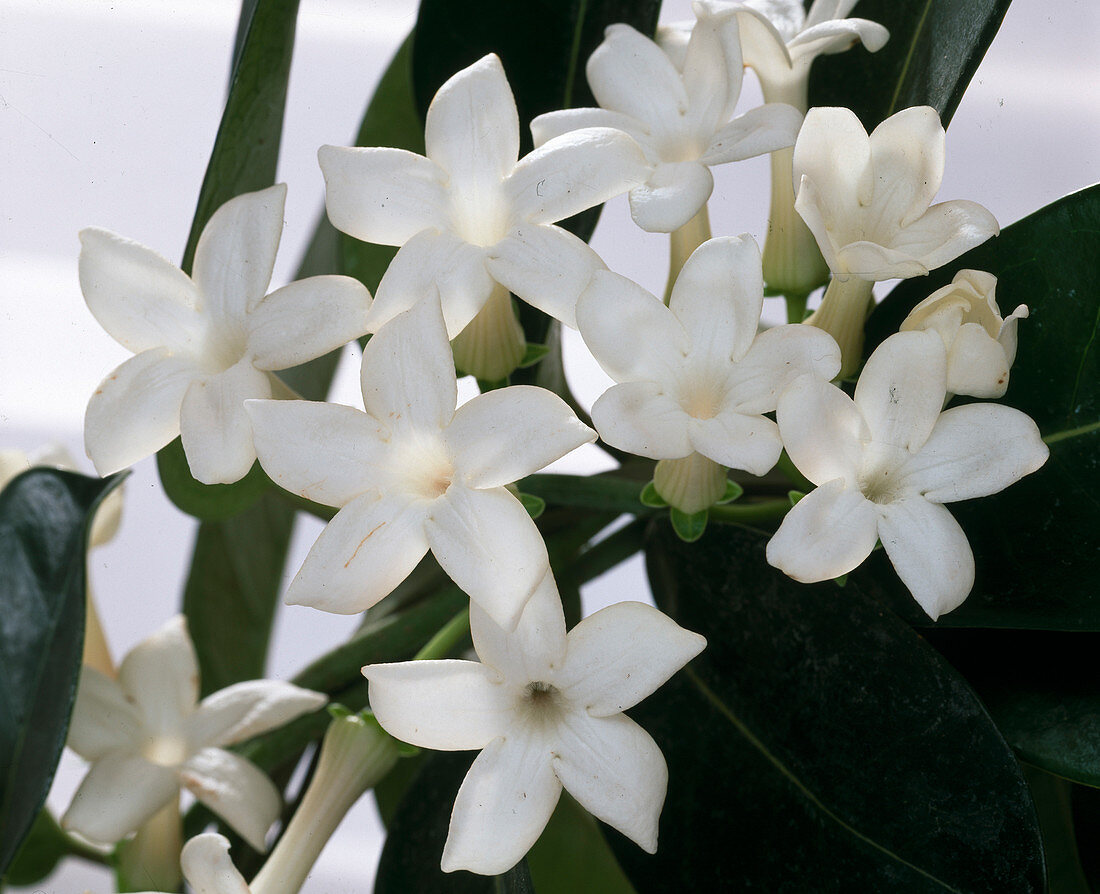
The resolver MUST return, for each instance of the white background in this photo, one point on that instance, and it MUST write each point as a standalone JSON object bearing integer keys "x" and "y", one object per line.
{"x": 108, "y": 111}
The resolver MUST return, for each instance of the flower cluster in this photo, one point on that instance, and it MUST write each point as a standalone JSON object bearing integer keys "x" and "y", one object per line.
{"x": 697, "y": 383}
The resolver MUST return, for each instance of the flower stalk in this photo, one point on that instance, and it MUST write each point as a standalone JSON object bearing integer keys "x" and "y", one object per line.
{"x": 842, "y": 313}
{"x": 151, "y": 859}
{"x": 355, "y": 754}
{"x": 684, "y": 241}
{"x": 493, "y": 344}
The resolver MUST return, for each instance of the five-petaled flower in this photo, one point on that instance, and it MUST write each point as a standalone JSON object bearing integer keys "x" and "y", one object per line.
{"x": 696, "y": 377}
{"x": 546, "y": 710}
{"x": 205, "y": 342}
{"x": 884, "y": 465}
{"x": 147, "y": 734}
{"x": 412, "y": 473}
{"x": 680, "y": 110}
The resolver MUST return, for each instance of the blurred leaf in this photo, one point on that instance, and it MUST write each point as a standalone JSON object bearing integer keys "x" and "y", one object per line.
{"x": 934, "y": 49}
{"x": 45, "y": 516}
{"x": 1052, "y": 798}
{"x": 1037, "y": 544}
{"x": 1086, "y": 823}
{"x": 817, "y": 738}
{"x": 206, "y": 502}
{"x": 572, "y": 855}
{"x": 516, "y": 880}
{"x": 40, "y": 852}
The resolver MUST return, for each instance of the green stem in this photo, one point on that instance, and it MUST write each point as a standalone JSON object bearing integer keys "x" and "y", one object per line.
{"x": 604, "y": 492}
{"x": 604, "y": 555}
{"x": 446, "y": 638}
{"x": 744, "y": 513}
{"x": 796, "y": 306}
{"x": 683, "y": 242}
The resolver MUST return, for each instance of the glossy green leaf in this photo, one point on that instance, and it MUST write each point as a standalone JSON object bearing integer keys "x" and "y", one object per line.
{"x": 1053, "y": 803}
{"x": 818, "y": 744}
{"x": 1037, "y": 544}
{"x": 934, "y": 49}
{"x": 44, "y": 520}
{"x": 40, "y": 852}
{"x": 516, "y": 880}
{"x": 206, "y": 502}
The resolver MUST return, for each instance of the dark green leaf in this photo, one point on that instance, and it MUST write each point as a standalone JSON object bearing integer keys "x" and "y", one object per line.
{"x": 1053, "y": 802}
{"x": 688, "y": 527}
{"x": 1037, "y": 544}
{"x": 572, "y": 855}
{"x": 1086, "y": 822}
{"x": 44, "y": 519}
{"x": 40, "y": 852}
{"x": 391, "y": 119}
{"x": 206, "y": 502}
{"x": 516, "y": 880}
{"x": 818, "y": 744}
{"x": 934, "y": 49}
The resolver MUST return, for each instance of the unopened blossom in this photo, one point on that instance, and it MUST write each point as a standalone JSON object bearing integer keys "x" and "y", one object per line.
{"x": 680, "y": 109}
{"x": 208, "y": 867}
{"x": 147, "y": 735}
{"x": 884, "y": 465}
{"x": 545, "y": 709}
{"x": 412, "y": 473}
{"x": 980, "y": 344}
{"x": 472, "y": 219}
{"x": 205, "y": 342}
{"x": 696, "y": 377}
{"x": 867, "y": 200}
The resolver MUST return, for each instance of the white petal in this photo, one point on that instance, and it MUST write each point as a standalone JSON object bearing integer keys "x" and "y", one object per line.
{"x": 718, "y": 297}
{"x": 629, "y": 73}
{"x": 822, "y": 429}
{"x": 901, "y": 389}
{"x": 208, "y": 868}
{"x": 764, "y": 48}
{"x": 834, "y": 152}
{"x": 837, "y": 36}
{"x": 776, "y": 358}
{"x": 673, "y": 195}
{"x": 737, "y": 440}
{"x": 612, "y": 305}
{"x": 546, "y": 266}
{"x": 103, "y": 719}
{"x": 641, "y": 418}
{"x": 307, "y": 319}
{"x": 161, "y": 676}
{"x": 472, "y": 127}
{"x": 490, "y": 547}
{"x": 930, "y": 553}
{"x": 575, "y": 171}
{"x": 368, "y": 548}
{"x": 504, "y": 435}
{"x": 976, "y": 363}
{"x": 136, "y": 410}
{"x": 236, "y": 253}
{"x": 535, "y": 649}
{"x": 214, "y": 427}
{"x": 621, "y": 654}
{"x": 323, "y": 452}
{"x": 811, "y": 208}
{"x": 908, "y": 152}
{"x": 120, "y": 792}
{"x": 763, "y": 129}
{"x": 945, "y": 231}
{"x": 502, "y": 806}
{"x": 874, "y": 262}
{"x": 247, "y": 709}
{"x": 974, "y": 451}
{"x": 236, "y": 790}
{"x": 142, "y": 299}
{"x": 829, "y": 532}
{"x": 382, "y": 195}
{"x": 616, "y": 772}
{"x": 443, "y": 705}
{"x": 431, "y": 261}
{"x": 553, "y": 124}
{"x": 408, "y": 373}
{"x": 712, "y": 69}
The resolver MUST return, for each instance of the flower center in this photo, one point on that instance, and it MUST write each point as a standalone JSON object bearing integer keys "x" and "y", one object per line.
{"x": 421, "y": 467}
{"x": 479, "y": 213}
{"x": 542, "y": 702}
{"x": 165, "y": 751}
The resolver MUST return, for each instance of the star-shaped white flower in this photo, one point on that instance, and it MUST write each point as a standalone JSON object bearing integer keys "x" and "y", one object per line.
{"x": 680, "y": 110}
{"x": 980, "y": 345}
{"x": 412, "y": 473}
{"x": 147, "y": 735}
{"x": 867, "y": 198}
{"x": 205, "y": 342}
{"x": 884, "y": 465}
{"x": 546, "y": 710}
{"x": 208, "y": 868}
{"x": 469, "y": 215}
{"x": 697, "y": 376}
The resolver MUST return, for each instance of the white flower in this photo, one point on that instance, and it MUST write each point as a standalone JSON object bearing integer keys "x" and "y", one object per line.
{"x": 470, "y": 216}
{"x": 206, "y": 342}
{"x": 680, "y": 114}
{"x": 886, "y": 462}
{"x": 696, "y": 377}
{"x": 546, "y": 710}
{"x": 208, "y": 868}
{"x": 146, "y": 734}
{"x": 412, "y": 473}
{"x": 866, "y": 199}
{"x": 980, "y": 345}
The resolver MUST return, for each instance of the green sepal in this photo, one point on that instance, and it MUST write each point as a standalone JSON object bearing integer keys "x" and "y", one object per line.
{"x": 733, "y": 492}
{"x": 794, "y": 496}
{"x": 841, "y": 581}
{"x": 650, "y": 497}
{"x": 688, "y": 528}
{"x": 533, "y": 355}
{"x": 484, "y": 385}
{"x": 535, "y": 506}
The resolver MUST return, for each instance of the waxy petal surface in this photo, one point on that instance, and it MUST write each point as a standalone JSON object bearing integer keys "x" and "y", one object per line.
{"x": 777, "y": 357}
{"x": 161, "y": 676}
{"x": 671, "y": 196}
{"x": 740, "y": 441}
{"x": 247, "y": 709}
{"x": 208, "y": 868}
{"x": 103, "y": 720}
{"x": 823, "y": 431}
{"x": 763, "y": 129}
{"x": 643, "y": 419}
{"x": 236, "y": 790}
{"x": 626, "y": 61}
{"x": 120, "y": 792}
{"x": 535, "y": 650}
